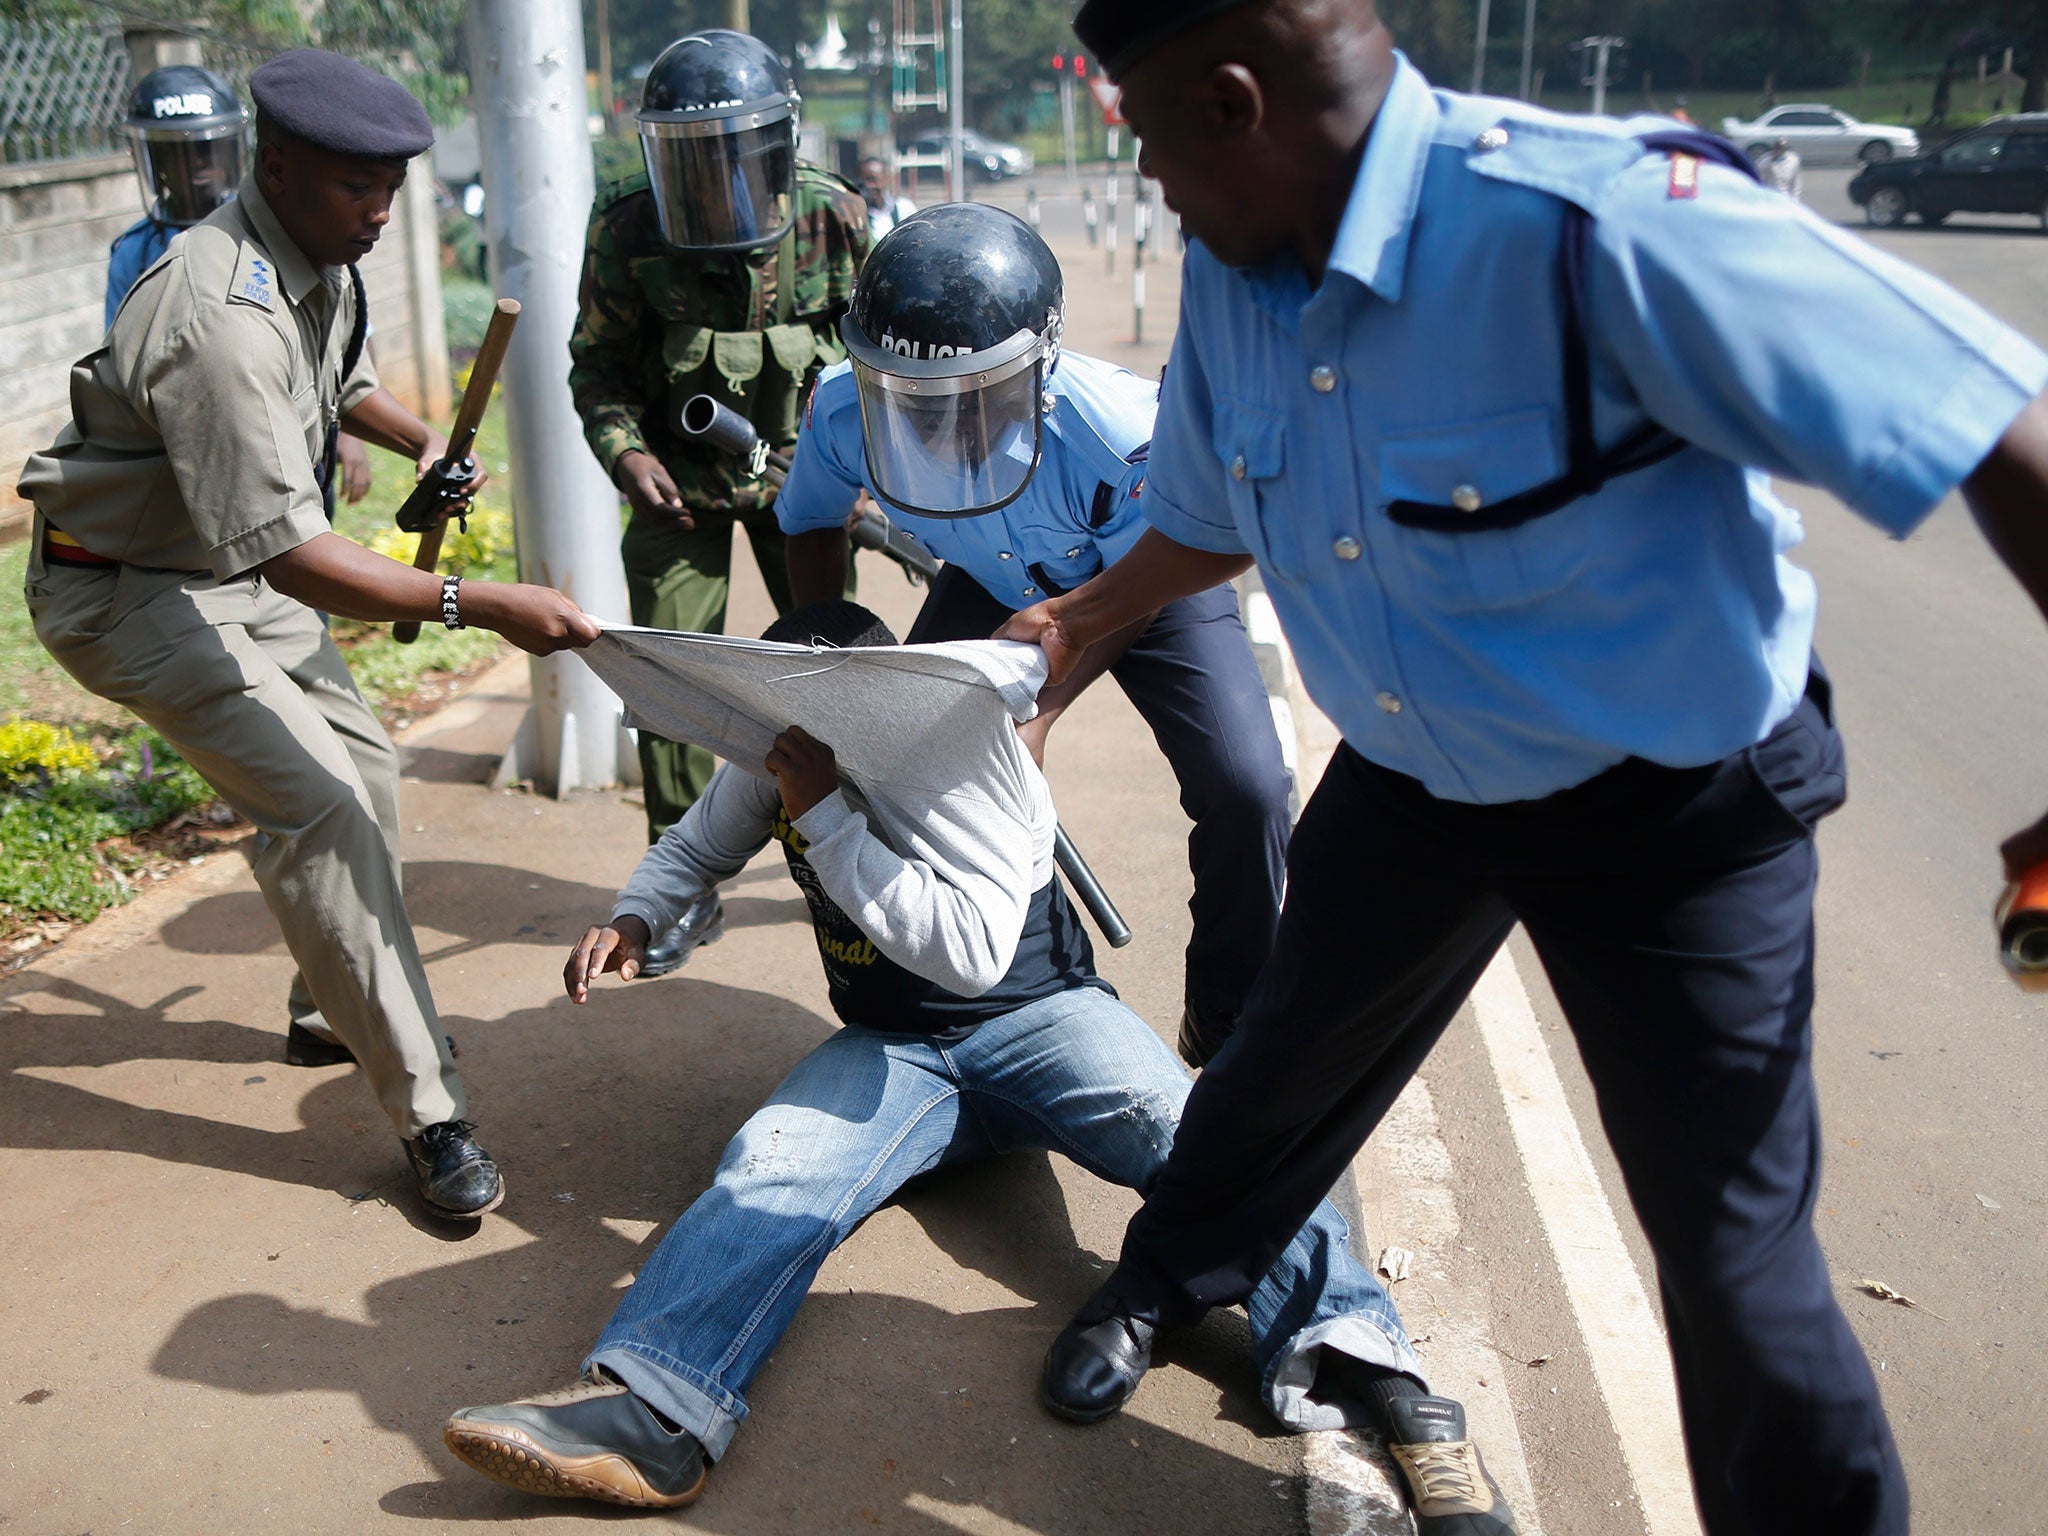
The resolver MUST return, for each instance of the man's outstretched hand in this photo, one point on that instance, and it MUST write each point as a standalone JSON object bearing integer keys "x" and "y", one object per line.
{"x": 804, "y": 767}
{"x": 619, "y": 946}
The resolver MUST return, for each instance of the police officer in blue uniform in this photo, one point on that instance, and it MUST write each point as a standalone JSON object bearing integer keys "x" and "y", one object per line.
{"x": 1021, "y": 465}
{"x": 1492, "y": 396}
{"x": 187, "y": 131}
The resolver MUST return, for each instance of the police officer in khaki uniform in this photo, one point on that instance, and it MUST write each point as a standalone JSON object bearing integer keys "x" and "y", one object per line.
{"x": 181, "y": 551}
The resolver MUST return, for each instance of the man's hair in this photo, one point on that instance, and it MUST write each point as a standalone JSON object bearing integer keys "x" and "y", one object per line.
{"x": 834, "y": 622}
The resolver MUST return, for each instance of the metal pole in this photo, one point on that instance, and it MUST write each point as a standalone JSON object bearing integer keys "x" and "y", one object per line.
{"x": 1067, "y": 126}
{"x": 1109, "y": 205}
{"x": 958, "y": 92}
{"x": 606, "y": 94}
{"x": 526, "y": 81}
{"x": 736, "y": 16}
{"x": 1138, "y": 304}
{"x": 1479, "y": 47}
{"x": 1600, "y": 75}
{"x": 1528, "y": 47}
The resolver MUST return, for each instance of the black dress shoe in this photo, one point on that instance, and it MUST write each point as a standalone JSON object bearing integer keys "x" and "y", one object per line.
{"x": 456, "y": 1177}
{"x": 594, "y": 1440}
{"x": 303, "y": 1048}
{"x": 1096, "y": 1363}
{"x": 1200, "y": 1038}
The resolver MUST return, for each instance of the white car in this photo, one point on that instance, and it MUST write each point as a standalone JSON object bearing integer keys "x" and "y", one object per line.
{"x": 1821, "y": 135}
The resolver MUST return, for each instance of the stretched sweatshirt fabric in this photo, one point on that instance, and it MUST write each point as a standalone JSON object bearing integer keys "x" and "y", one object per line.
{"x": 929, "y": 762}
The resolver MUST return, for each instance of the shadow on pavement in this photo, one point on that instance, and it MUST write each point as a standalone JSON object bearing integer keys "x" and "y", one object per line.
{"x": 877, "y": 1408}
{"x": 479, "y": 903}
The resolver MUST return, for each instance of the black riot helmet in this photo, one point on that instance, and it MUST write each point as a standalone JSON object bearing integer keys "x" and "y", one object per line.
{"x": 186, "y": 128}
{"x": 718, "y": 123}
{"x": 953, "y": 331}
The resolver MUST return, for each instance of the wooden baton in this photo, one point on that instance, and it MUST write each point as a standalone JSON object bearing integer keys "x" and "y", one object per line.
{"x": 433, "y": 489}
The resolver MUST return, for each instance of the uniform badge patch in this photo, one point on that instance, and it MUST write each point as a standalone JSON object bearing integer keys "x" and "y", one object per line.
{"x": 255, "y": 280}
{"x": 1685, "y": 177}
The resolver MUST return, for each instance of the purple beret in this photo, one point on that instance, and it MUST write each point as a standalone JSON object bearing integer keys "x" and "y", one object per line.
{"x": 340, "y": 105}
{"x": 1121, "y": 32}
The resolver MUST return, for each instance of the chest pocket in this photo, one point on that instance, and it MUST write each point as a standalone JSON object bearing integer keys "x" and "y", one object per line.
{"x": 1471, "y": 465}
{"x": 1251, "y": 442}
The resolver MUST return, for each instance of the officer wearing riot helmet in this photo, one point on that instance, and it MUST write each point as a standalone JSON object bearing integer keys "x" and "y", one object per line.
{"x": 1022, "y": 466}
{"x": 187, "y": 131}
{"x": 721, "y": 269}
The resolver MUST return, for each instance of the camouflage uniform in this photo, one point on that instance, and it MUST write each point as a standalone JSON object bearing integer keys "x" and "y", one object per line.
{"x": 658, "y": 325}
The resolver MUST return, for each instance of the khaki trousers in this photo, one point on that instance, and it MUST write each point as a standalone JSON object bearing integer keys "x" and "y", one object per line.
{"x": 248, "y": 687}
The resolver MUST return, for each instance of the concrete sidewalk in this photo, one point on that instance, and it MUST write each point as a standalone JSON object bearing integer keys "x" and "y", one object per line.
{"x": 224, "y": 1312}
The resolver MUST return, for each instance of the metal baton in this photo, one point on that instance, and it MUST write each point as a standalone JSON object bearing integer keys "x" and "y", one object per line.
{"x": 1089, "y": 889}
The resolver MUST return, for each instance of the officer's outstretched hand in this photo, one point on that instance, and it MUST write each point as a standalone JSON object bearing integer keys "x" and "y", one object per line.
{"x": 805, "y": 768}
{"x": 539, "y": 620}
{"x": 619, "y": 946}
{"x": 1041, "y": 625}
{"x": 648, "y": 489}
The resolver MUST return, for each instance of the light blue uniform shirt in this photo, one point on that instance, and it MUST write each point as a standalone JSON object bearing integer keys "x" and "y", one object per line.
{"x": 1100, "y": 415}
{"x": 1658, "y": 618}
{"x": 133, "y": 254}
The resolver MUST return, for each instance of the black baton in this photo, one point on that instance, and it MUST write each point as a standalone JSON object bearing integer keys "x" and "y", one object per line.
{"x": 1089, "y": 889}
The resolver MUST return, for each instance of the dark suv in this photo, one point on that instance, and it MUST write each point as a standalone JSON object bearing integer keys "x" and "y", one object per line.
{"x": 2001, "y": 167}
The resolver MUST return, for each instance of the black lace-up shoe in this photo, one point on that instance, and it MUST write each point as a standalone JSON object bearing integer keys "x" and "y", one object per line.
{"x": 594, "y": 1440}
{"x": 1096, "y": 1363}
{"x": 1452, "y": 1492}
{"x": 303, "y": 1048}
{"x": 1201, "y": 1038}
{"x": 703, "y": 922}
{"x": 457, "y": 1177}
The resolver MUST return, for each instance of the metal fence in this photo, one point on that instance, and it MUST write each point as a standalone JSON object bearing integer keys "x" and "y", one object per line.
{"x": 63, "y": 86}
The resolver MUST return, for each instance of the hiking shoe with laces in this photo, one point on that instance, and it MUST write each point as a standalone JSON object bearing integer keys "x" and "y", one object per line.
{"x": 1448, "y": 1485}
{"x": 702, "y": 922}
{"x": 456, "y": 1176}
{"x": 594, "y": 1440}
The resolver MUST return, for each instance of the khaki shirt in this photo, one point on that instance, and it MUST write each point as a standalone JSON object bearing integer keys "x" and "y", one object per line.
{"x": 197, "y": 425}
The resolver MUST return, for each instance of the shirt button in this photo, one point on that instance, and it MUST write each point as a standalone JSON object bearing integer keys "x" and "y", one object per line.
{"x": 1347, "y": 548}
{"x": 1004, "y": 555}
{"x": 1237, "y": 467}
{"x": 1323, "y": 378}
{"x": 1466, "y": 498}
{"x": 1388, "y": 702}
{"x": 1492, "y": 139}
{"x": 1074, "y": 553}
{"x": 1031, "y": 591}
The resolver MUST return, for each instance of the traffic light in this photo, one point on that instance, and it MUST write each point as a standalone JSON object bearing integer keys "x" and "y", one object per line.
{"x": 1081, "y": 66}
{"x": 1059, "y": 63}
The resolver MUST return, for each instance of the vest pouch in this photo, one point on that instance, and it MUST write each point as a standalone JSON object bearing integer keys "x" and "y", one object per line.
{"x": 684, "y": 348}
{"x": 737, "y": 356}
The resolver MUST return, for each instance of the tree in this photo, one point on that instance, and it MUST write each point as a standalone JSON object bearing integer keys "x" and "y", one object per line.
{"x": 1962, "y": 28}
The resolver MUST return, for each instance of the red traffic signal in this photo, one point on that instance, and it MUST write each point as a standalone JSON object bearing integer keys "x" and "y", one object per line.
{"x": 1059, "y": 63}
{"x": 1081, "y": 66}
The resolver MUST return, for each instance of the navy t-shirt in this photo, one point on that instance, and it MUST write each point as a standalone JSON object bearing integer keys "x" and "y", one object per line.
{"x": 873, "y": 991}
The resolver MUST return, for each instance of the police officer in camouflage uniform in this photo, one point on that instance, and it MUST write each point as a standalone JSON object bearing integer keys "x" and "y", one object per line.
{"x": 721, "y": 269}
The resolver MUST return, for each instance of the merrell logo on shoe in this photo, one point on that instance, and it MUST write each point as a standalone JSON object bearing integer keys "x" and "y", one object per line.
{"x": 1442, "y": 1411}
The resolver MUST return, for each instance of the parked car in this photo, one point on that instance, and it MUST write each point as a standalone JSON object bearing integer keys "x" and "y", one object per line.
{"x": 2001, "y": 167}
{"x": 990, "y": 159}
{"x": 1821, "y": 135}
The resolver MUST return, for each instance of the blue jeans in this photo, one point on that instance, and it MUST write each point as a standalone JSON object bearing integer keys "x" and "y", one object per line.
{"x": 864, "y": 1113}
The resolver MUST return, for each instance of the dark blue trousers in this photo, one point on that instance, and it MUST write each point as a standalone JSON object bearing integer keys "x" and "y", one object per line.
{"x": 1193, "y": 678}
{"x": 1673, "y": 911}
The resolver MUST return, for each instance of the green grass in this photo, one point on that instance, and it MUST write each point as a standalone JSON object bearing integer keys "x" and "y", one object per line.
{"x": 53, "y": 826}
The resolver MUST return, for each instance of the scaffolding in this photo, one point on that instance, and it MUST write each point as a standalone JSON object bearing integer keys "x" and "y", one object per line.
{"x": 918, "y": 79}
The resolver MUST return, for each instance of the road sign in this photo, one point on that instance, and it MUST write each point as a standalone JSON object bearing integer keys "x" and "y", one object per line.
{"x": 1110, "y": 98}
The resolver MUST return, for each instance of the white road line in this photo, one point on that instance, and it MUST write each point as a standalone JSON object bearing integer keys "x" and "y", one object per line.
{"x": 1624, "y": 1343}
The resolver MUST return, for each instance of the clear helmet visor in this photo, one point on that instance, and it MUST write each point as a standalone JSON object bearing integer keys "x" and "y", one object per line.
{"x": 950, "y": 444}
{"x": 723, "y": 183}
{"x": 187, "y": 173}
